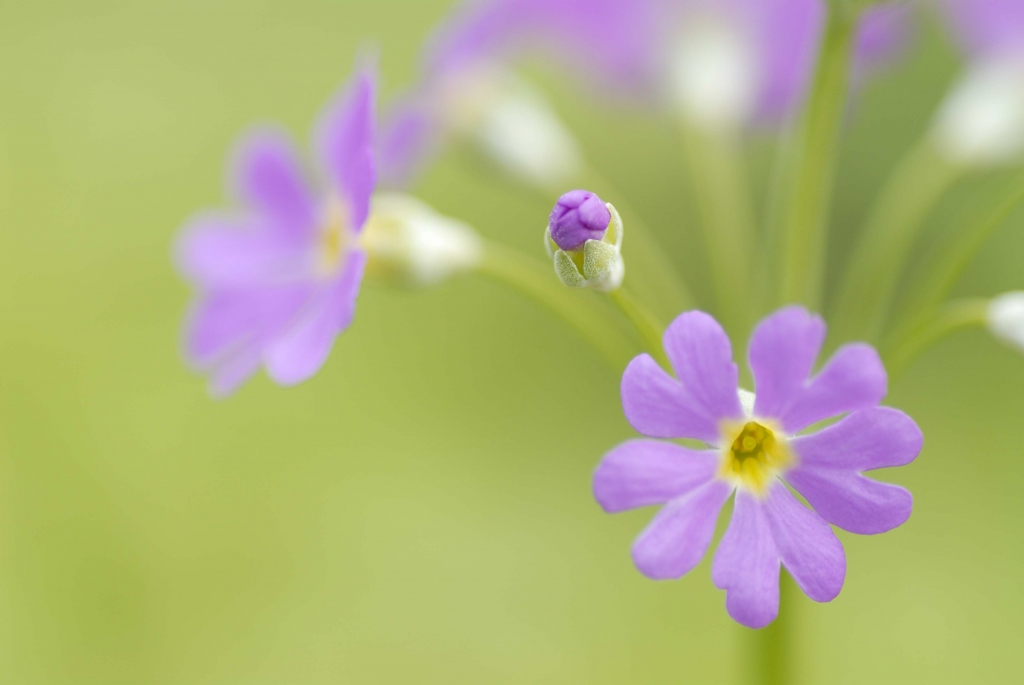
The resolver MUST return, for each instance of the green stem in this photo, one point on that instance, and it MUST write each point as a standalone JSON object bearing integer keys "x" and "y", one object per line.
{"x": 771, "y": 648}
{"x": 722, "y": 193}
{"x": 644, "y": 322}
{"x": 943, "y": 267}
{"x": 892, "y": 229}
{"x": 581, "y": 310}
{"x": 812, "y": 166}
{"x": 933, "y": 327}
{"x": 649, "y": 271}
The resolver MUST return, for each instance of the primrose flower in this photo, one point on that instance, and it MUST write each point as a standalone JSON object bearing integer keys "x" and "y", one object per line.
{"x": 277, "y": 280}
{"x": 757, "y": 445}
{"x": 981, "y": 122}
{"x": 584, "y": 237}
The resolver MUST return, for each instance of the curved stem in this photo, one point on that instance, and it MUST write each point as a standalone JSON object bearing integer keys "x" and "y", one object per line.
{"x": 943, "y": 267}
{"x": 893, "y": 227}
{"x": 579, "y": 309}
{"x": 717, "y": 172}
{"x": 649, "y": 271}
{"x": 812, "y": 166}
{"x": 933, "y": 327}
{"x": 770, "y": 650}
{"x": 644, "y": 322}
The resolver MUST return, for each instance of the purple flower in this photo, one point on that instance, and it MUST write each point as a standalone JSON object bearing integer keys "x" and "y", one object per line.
{"x": 987, "y": 28}
{"x": 578, "y": 216}
{"x": 278, "y": 278}
{"x": 757, "y": 447}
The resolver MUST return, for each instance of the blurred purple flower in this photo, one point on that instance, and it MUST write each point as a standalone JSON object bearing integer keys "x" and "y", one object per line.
{"x": 747, "y": 61}
{"x": 278, "y": 280}
{"x": 756, "y": 442}
{"x": 981, "y": 122}
{"x": 987, "y": 28}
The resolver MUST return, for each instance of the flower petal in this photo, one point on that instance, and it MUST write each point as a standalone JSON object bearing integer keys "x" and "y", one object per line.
{"x": 268, "y": 177}
{"x": 854, "y": 503}
{"x": 234, "y": 370}
{"x": 656, "y": 404}
{"x": 853, "y": 379}
{"x": 747, "y": 565}
{"x": 806, "y": 544}
{"x": 218, "y": 251}
{"x": 408, "y": 138}
{"x": 222, "y": 321}
{"x": 869, "y": 439}
{"x": 345, "y": 140}
{"x": 302, "y": 348}
{"x": 639, "y": 473}
{"x": 676, "y": 540}
{"x": 701, "y": 355}
{"x": 782, "y": 353}
{"x": 831, "y": 459}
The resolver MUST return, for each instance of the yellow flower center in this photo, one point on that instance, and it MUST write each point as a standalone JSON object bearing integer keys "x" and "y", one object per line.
{"x": 335, "y": 238}
{"x": 753, "y": 454}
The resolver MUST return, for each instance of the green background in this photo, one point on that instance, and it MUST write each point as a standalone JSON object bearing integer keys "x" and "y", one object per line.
{"x": 420, "y": 512}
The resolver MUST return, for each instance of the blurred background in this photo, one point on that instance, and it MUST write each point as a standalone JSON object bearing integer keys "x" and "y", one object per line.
{"x": 420, "y": 511}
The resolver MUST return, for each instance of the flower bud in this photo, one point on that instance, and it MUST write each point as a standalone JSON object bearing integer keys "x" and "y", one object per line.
{"x": 578, "y": 216}
{"x": 409, "y": 243}
{"x": 511, "y": 123}
{"x": 982, "y": 120}
{"x": 594, "y": 262}
{"x": 1005, "y": 318}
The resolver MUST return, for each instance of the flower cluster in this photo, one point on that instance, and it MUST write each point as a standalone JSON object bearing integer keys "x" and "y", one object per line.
{"x": 278, "y": 277}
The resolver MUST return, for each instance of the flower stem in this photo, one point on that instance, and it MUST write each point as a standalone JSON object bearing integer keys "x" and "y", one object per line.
{"x": 770, "y": 651}
{"x": 811, "y": 166}
{"x": 722, "y": 193}
{"x": 893, "y": 226}
{"x": 649, "y": 271}
{"x": 581, "y": 310}
{"x": 933, "y": 327}
{"x": 644, "y": 322}
{"x": 943, "y": 267}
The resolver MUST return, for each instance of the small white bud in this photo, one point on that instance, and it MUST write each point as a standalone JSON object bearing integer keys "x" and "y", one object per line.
{"x": 407, "y": 242}
{"x": 713, "y": 73}
{"x": 981, "y": 122}
{"x": 597, "y": 264}
{"x": 512, "y": 123}
{"x": 1005, "y": 318}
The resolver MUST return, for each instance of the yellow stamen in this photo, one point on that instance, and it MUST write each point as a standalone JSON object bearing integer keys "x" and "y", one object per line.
{"x": 755, "y": 453}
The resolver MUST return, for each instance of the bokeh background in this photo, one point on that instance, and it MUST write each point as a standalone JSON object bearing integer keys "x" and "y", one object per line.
{"x": 421, "y": 510}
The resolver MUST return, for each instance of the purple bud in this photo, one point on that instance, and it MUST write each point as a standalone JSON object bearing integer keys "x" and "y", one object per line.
{"x": 578, "y": 216}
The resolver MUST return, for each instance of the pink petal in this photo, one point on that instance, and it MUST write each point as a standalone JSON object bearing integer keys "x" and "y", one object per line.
{"x": 782, "y": 353}
{"x": 299, "y": 351}
{"x": 830, "y": 462}
{"x": 854, "y": 503}
{"x": 221, "y": 252}
{"x": 701, "y": 355}
{"x": 869, "y": 439}
{"x": 344, "y": 142}
{"x": 746, "y": 565}
{"x": 806, "y": 544}
{"x": 640, "y": 473}
{"x": 268, "y": 178}
{"x": 853, "y": 379}
{"x": 678, "y": 537}
{"x": 656, "y": 404}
